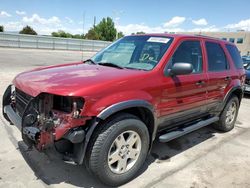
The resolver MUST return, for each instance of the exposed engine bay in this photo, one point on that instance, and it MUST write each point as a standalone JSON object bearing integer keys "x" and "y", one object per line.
{"x": 49, "y": 119}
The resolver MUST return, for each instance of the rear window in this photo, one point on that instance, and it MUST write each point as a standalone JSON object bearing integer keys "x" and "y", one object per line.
{"x": 235, "y": 55}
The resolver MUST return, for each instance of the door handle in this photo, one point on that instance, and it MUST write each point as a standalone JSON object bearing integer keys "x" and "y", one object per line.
{"x": 228, "y": 78}
{"x": 200, "y": 82}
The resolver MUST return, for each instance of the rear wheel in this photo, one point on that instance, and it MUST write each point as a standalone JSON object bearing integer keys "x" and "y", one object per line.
{"x": 118, "y": 149}
{"x": 228, "y": 115}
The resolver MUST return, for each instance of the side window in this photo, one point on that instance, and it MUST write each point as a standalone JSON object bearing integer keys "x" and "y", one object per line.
{"x": 235, "y": 55}
{"x": 217, "y": 60}
{"x": 188, "y": 52}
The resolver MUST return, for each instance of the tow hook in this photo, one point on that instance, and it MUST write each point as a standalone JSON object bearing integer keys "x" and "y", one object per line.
{"x": 31, "y": 132}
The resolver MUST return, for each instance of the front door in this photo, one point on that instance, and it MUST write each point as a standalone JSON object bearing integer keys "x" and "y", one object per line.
{"x": 184, "y": 96}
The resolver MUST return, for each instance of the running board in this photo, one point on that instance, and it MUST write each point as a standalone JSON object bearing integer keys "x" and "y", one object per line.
{"x": 180, "y": 132}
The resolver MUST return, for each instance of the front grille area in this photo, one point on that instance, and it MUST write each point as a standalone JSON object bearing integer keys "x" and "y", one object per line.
{"x": 22, "y": 100}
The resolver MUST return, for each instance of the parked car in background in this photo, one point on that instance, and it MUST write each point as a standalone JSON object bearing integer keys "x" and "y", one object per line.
{"x": 107, "y": 111}
{"x": 246, "y": 60}
{"x": 247, "y": 82}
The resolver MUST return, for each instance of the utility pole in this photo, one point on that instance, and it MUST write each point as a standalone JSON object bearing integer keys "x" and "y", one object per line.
{"x": 116, "y": 19}
{"x": 83, "y": 22}
{"x": 94, "y": 21}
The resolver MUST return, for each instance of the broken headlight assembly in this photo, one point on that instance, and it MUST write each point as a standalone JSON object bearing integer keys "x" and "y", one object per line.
{"x": 68, "y": 104}
{"x": 48, "y": 117}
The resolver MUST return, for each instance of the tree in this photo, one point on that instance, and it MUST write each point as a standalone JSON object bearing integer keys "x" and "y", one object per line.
{"x": 63, "y": 34}
{"x": 1, "y": 28}
{"x": 92, "y": 34}
{"x": 55, "y": 34}
{"x": 105, "y": 30}
{"x": 28, "y": 30}
{"x": 138, "y": 33}
{"x": 120, "y": 35}
{"x": 77, "y": 36}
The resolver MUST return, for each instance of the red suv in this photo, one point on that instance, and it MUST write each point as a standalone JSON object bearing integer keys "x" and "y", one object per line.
{"x": 108, "y": 110}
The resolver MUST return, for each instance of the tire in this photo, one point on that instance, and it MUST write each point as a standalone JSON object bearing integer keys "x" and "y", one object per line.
{"x": 105, "y": 142}
{"x": 224, "y": 124}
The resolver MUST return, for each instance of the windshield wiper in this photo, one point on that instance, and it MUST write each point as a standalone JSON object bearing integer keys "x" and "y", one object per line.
{"x": 134, "y": 68}
{"x": 110, "y": 65}
{"x": 90, "y": 61}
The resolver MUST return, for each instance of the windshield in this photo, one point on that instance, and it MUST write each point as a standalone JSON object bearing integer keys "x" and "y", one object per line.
{"x": 134, "y": 52}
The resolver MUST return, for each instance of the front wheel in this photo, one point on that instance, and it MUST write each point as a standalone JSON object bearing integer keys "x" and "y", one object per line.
{"x": 118, "y": 149}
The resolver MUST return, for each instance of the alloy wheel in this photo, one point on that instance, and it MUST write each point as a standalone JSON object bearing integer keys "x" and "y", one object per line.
{"x": 124, "y": 152}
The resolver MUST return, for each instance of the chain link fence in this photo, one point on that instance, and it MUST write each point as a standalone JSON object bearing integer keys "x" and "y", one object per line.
{"x": 46, "y": 42}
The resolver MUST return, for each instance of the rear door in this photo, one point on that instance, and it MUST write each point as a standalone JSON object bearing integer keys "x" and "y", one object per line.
{"x": 218, "y": 71}
{"x": 184, "y": 96}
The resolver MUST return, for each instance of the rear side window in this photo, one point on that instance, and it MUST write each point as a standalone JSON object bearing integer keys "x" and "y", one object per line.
{"x": 235, "y": 55}
{"x": 217, "y": 60}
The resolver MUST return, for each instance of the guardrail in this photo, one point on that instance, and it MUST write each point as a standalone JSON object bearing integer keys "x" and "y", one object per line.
{"x": 47, "y": 42}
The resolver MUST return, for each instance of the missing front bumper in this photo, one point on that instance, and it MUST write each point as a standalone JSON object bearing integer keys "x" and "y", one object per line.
{"x": 76, "y": 131}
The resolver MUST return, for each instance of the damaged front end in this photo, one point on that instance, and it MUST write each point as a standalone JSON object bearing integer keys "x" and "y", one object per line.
{"x": 47, "y": 120}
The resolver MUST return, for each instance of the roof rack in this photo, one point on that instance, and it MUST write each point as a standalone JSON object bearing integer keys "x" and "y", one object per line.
{"x": 208, "y": 37}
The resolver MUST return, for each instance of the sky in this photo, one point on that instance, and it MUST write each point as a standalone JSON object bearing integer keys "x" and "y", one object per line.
{"x": 130, "y": 16}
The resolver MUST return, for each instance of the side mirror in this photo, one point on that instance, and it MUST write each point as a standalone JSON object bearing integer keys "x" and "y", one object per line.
{"x": 181, "y": 69}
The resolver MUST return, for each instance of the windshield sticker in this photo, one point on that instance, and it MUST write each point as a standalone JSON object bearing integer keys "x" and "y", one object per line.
{"x": 158, "y": 39}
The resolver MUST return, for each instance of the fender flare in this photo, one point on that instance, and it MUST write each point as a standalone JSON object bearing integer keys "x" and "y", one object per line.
{"x": 108, "y": 112}
{"x": 229, "y": 93}
{"x": 130, "y": 104}
{"x": 125, "y": 105}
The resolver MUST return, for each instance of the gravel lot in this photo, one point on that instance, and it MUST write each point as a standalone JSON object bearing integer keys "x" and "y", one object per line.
{"x": 204, "y": 158}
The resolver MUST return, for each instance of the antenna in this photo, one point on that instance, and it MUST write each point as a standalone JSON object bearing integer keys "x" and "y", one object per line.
{"x": 83, "y": 22}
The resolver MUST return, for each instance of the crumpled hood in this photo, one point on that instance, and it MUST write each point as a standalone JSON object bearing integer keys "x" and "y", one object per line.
{"x": 68, "y": 79}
